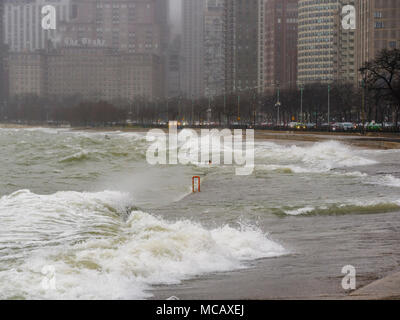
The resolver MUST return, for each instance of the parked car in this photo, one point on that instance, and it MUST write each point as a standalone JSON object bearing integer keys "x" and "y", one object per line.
{"x": 335, "y": 126}
{"x": 373, "y": 126}
{"x": 300, "y": 126}
{"x": 388, "y": 125}
{"x": 310, "y": 125}
{"x": 347, "y": 126}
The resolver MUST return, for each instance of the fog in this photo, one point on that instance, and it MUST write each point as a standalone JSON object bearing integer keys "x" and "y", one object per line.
{"x": 175, "y": 15}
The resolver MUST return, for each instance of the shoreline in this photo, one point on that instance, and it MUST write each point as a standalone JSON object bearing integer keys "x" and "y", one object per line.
{"x": 386, "y": 288}
{"x": 371, "y": 140}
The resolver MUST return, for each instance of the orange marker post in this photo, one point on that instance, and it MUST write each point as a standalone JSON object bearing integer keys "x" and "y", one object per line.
{"x": 198, "y": 183}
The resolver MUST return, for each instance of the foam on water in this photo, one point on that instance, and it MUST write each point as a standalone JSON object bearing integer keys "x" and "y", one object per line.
{"x": 354, "y": 207}
{"x": 386, "y": 180}
{"x": 100, "y": 247}
{"x": 318, "y": 157}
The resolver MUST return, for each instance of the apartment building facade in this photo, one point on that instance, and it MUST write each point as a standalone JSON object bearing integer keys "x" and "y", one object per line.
{"x": 244, "y": 45}
{"x": 280, "y": 53}
{"x": 90, "y": 73}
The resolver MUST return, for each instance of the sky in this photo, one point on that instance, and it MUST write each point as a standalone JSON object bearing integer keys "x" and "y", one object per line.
{"x": 175, "y": 7}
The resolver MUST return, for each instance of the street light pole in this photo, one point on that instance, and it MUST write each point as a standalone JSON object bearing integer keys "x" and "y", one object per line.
{"x": 238, "y": 117}
{"x": 167, "y": 110}
{"x": 278, "y": 104}
{"x": 225, "y": 106}
{"x": 192, "y": 116}
{"x": 329, "y": 107}
{"x": 301, "y": 103}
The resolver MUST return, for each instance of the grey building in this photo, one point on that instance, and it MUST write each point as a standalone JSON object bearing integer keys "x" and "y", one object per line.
{"x": 244, "y": 45}
{"x": 174, "y": 68}
{"x": 192, "y": 47}
{"x": 214, "y": 52}
{"x": 23, "y": 23}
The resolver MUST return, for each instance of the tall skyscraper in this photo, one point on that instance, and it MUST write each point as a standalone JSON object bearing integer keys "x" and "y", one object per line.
{"x": 23, "y": 23}
{"x": 193, "y": 47}
{"x": 174, "y": 68}
{"x": 91, "y": 73}
{"x": 378, "y": 28}
{"x": 344, "y": 45}
{"x": 134, "y": 26}
{"x": 2, "y": 56}
{"x": 316, "y": 51}
{"x": 326, "y": 50}
{"x": 134, "y": 31}
{"x": 280, "y": 55}
{"x": 214, "y": 53}
{"x": 244, "y": 45}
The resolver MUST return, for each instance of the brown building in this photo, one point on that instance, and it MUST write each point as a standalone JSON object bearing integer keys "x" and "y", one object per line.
{"x": 280, "y": 53}
{"x": 92, "y": 73}
{"x": 133, "y": 26}
{"x": 378, "y": 28}
{"x": 125, "y": 26}
{"x": 27, "y": 74}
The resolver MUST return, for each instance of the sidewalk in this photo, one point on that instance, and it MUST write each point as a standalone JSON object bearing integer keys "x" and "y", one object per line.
{"x": 387, "y": 288}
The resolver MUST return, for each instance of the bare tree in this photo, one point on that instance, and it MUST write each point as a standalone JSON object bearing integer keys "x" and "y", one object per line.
{"x": 382, "y": 75}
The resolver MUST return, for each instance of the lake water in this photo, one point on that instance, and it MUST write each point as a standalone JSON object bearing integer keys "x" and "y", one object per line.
{"x": 84, "y": 216}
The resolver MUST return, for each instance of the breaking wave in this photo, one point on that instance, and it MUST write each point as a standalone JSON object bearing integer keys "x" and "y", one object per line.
{"x": 102, "y": 247}
{"x": 341, "y": 209}
{"x": 319, "y": 157}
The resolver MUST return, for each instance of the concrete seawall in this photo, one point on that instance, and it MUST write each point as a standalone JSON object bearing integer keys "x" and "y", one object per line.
{"x": 387, "y": 288}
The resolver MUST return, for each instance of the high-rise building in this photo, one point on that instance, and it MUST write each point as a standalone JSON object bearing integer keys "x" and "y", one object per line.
{"x": 214, "y": 53}
{"x": 344, "y": 44}
{"x": 2, "y": 57}
{"x": 378, "y": 27}
{"x": 316, "y": 31}
{"x": 91, "y": 73}
{"x": 193, "y": 47}
{"x": 174, "y": 68}
{"x": 133, "y": 26}
{"x": 326, "y": 50}
{"x": 23, "y": 23}
{"x": 27, "y": 74}
{"x": 280, "y": 54}
{"x": 244, "y": 45}
{"x": 133, "y": 30}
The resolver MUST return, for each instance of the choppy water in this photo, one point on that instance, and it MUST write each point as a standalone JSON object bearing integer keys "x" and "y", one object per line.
{"x": 113, "y": 226}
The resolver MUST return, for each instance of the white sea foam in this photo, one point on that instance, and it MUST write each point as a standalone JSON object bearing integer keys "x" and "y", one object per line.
{"x": 300, "y": 211}
{"x": 319, "y": 157}
{"x": 99, "y": 251}
{"x": 386, "y": 180}
{"x": 346, "y": 207}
